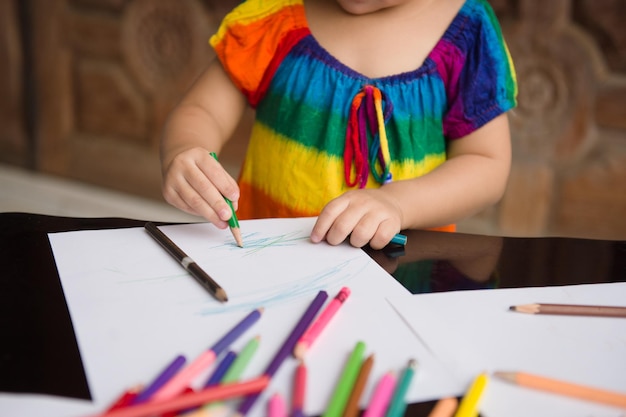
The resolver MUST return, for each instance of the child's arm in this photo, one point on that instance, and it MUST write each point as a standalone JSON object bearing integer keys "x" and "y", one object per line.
{"x": 201, "y": 123}
{"x": 473, "y": 177}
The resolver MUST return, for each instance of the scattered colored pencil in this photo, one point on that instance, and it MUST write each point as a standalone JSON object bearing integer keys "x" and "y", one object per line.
{"x": 344, "y": 386}
{"x": 183, "y": 401}
{"x": 471, "y": 401}
{"x": 299, "y": 390}
{"x": 161, "y": 379}
{"x": 235, "y": 372}
{"x": 571, "y": 310}
{"x": 398, "y": 404}
{"x": 352, "y": 406}
{"x": 445, "y": 407}
{"x": 126, "y": 398}
{"x": 179, "y": 381}
{"x": 569, "y": 389}
{"x": 221, "y": 369}
{"x": 313, "y": 332}
{"x": 276, "y": 406}
{"x": 382, "y": 396}
{"x": 286, "y": 348}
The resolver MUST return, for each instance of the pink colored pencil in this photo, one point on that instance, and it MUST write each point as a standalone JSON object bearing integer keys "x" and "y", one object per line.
{"x": 313, "y": 332}
{"x": 382, "y": 396}
{"x": 276, "y": 406}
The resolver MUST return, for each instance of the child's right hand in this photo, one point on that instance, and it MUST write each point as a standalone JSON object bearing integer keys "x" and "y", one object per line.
{"x": 197, "y": 183}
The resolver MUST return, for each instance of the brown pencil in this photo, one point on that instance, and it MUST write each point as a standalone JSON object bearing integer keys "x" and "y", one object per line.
{"x": 571, "y": 310}
{"x": 352, "y": 406}
{"x": 186, "y": 262}
{"x": 564, "y": 388}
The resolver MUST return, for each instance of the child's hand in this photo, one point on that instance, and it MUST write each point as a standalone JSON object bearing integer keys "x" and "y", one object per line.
{"x": 366, "y": 216}
{"x": 197, "y": 184}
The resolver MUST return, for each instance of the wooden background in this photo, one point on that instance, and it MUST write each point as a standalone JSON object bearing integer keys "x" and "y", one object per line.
{"x": 85, "y": 86}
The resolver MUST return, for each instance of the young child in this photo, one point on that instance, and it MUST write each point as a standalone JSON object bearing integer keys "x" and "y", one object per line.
{"x": 375, "y": 115}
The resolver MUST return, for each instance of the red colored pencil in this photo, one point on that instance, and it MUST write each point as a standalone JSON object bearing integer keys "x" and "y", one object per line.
{"x": 181, "y": 402}
{"x": 299, "y": 390}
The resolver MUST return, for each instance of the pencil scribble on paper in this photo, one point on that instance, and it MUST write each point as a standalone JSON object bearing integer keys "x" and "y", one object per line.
{"x": 251, "y": 276}
{"x": 255, "y": 242}
{"x": 279, "y": 293}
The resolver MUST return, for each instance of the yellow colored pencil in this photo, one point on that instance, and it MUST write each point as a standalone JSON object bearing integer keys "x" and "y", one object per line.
{"x": 471, "y": 401}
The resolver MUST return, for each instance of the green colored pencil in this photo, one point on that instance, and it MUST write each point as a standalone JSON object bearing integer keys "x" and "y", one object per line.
{"x": 241, "y": 361}
{"x": 344, "y": 386}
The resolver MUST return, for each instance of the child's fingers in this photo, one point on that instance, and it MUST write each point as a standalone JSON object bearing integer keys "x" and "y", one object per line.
{"x": 202, "y": 207}
{"x": 326, "y": 219}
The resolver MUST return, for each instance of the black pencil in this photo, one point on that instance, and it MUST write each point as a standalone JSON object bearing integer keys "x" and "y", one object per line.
{"x": 189, "y": 264}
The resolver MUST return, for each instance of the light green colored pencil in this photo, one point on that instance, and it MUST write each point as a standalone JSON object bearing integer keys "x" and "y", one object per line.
{"x": 241, "y": 361}
{"x": 344, "y": 386}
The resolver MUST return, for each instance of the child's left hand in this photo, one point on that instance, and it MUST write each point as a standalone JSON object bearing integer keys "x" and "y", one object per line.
{"x": 365, "y": 216}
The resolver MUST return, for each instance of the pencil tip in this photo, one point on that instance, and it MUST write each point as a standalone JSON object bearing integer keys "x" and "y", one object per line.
{"x": 507, "y": 376}
{"x": 220, "y": 294}
{"x": 299, "y": 351}
{"x": 237, "y": 235}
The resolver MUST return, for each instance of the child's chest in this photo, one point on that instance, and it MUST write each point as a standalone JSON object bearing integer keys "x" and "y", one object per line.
{"x": 380, "y": 45}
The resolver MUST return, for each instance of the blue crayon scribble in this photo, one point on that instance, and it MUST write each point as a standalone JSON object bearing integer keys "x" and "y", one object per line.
{"x": 336, "y": 275}
{"x": 253, "y": 243}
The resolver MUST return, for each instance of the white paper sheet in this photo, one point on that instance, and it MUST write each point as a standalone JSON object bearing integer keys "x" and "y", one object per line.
{"x": 474, "y": 331}
{"x": 134, "y": 309}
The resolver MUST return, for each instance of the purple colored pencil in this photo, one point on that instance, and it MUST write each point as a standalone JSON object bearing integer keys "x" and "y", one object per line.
{"x": 160, "y": 380}
{"x": 236, "y": 331}
{"x": 286, "y": 348}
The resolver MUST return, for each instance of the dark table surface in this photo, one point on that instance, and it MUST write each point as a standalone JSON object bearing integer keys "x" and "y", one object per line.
{"x": 39, "y": 352}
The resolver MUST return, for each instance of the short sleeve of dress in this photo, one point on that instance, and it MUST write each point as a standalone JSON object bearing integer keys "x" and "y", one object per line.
{"x": 481, "y": 82}
{"x": 253, "y": 39}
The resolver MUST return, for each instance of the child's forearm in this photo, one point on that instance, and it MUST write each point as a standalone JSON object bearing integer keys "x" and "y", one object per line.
{"x": 206, "y": 117}
{"x": 188, "y": 127}
{"x": 459, "y": 188}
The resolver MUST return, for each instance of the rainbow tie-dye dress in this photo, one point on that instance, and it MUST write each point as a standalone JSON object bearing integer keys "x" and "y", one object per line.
{"x": 322, "y": 128}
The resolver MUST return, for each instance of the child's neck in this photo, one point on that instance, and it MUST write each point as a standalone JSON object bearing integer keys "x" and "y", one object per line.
{"x": 386, "y": 42}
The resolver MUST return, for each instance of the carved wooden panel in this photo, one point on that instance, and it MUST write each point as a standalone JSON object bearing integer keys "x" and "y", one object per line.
{"x": 14, "y": 145}
{"x": 569, "y": 130}
{"x": 108, "y": 72}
